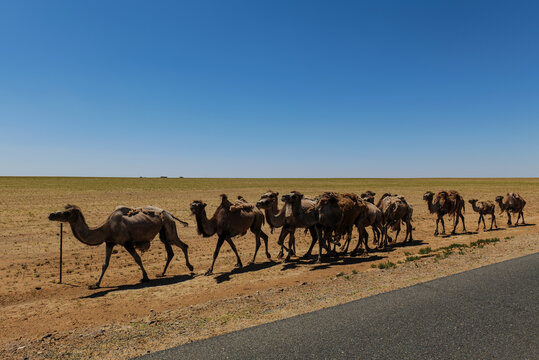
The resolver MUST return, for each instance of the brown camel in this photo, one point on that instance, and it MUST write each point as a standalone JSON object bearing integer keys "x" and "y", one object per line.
{"x": 302, "y": 213}
{"x": 338, "y": 214}
{"x": 228, "y": 221}
{"x": 513, "y": 203}
{"x": 484, "y": 208}
{"x": 130, "y": 228}
{"x": 446, "y": 202}
{"x": 269, "y": 202}
{"x": 395, "y": 209}
{"x": 374, "y": 217}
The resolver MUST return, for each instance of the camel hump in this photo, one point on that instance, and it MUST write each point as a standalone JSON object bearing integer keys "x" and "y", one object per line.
{"x": 241, "y": 205}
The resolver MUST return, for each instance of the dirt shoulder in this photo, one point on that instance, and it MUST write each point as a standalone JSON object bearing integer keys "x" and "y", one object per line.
{"x": 179, "y": 319}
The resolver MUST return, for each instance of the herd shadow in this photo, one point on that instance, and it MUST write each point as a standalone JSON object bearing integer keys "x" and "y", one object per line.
{"x": 251, "y": 267}
{"x": 142, "y": 285}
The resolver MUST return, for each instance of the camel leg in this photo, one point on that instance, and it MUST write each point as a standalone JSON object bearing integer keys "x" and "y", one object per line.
{"x": 238, "y": 260}
{"x": 491, "y": 220}
{"x": 410, "y": 229}
{"x": 509, "y": 223}
{"x": 170, "y": 255}
{"x": 522, "y": 213}
{"x": 130, "y": 249}
{"x": 183, "y": 246}
{"x": 220, "y": 242}
{"x": 478, "y": 223}
{"x": 284, "y": 231}
{"x": 463, "y": 224}
{"x": 397, "y": 233}
{"x": 108, "y": 253}
{"x": 314, "y": 236}
{"x": 257, "y": 246}
{"x": 365, "y": 235}
{"x": 321, "y": 243}
{"x": 291, "y": 246}
{"x": 455, "y": 223}
{"x": 264, "y": 237}
{"x": 484, "y": 225}
{"x": 518, "y": 218}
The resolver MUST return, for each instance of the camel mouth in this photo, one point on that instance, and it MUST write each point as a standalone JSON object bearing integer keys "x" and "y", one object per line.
{"x": 54, "y": 216}
{"x": 261, "y": 203}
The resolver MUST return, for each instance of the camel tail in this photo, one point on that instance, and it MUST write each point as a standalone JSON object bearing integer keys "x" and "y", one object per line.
{"x": 178, "y": 220}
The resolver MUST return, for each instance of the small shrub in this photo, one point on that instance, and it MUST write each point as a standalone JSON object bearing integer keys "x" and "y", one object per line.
{"x": 412, "y": 258}
{"x": 354, "y": 272}
{"x": 387, "y": 265}
{"x": 426, "y": 250}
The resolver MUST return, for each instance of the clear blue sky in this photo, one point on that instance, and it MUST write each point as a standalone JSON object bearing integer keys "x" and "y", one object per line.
{"x": 269, "y": 88}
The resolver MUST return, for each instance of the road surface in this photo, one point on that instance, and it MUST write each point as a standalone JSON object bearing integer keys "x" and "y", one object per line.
{"x": 489, "y": 312}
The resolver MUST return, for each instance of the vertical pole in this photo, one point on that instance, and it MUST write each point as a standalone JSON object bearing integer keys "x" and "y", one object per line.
{"x": 61, "y": 243}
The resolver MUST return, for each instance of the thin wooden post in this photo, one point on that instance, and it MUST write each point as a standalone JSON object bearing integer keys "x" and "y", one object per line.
{"x": 61, "y": 243}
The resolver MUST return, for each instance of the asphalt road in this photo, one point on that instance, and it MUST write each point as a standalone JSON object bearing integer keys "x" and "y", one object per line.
{"x": 486, "y": 313}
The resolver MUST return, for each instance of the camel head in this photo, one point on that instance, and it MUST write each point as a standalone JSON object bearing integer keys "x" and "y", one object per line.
{"x": 70, "y": 213}
{"x": 368, "y": 196}
{"x": 293, "y": 197}
{"x": 267, "y": 199}
{"x": 327, "y": 199}
{"x": 197, "y": 207}
{"x": 499, "y": 198}
{"x": 428, "y": 196}
{"x": 472, "y": 201}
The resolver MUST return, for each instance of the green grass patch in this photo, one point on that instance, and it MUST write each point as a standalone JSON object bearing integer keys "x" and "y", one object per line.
{"x": 412, "y": 258}
{"x": 386, "y": 265}
{"x": 425, "y": 250}
{"x": 482, "y": 242}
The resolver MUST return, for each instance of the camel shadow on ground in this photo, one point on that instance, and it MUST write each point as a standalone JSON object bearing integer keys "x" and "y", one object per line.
{"x": 406, "y": 244}
{"x": 141, "y": 285}
{"x": 519, "y": 225}
{"x": 329, "y": 262}
{"x": 253, "y": 267}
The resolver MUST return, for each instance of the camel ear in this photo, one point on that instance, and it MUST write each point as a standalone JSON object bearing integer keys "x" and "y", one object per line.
{"x": 204, "y": 205}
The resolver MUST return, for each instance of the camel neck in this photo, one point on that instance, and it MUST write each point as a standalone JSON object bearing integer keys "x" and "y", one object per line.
{"x": 85, "y": 235}
{"x": 275, "y": 217}
{"x": 205, "y": 226}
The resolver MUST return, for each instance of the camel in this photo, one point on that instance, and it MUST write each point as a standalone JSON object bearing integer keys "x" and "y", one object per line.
{"x": 339, "y": 213}
{"x": 446, "y": 202}
{"x": 374, "y": 216}
{"x": 513, "y": 203}
{"x": 302, "y": 213}
{"x": 395, "y": 209}
{"x": 484, "y": 208}
{"x": 283, "y": 218}
{"x": 130, "y": 228}
{"x": 228, "y": 221}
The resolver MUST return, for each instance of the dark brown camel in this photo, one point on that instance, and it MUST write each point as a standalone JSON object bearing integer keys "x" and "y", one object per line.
{"x": 228, "y": 221}
{"x": 512, "y": 203}
{"x": 446, "y": 202}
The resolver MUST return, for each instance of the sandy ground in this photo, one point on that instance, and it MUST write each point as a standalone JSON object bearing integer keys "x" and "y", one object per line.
{"x": 43, "y": 319}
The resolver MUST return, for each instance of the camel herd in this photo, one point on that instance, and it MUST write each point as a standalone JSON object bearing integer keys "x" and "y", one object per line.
{"x": 330, "y": 219}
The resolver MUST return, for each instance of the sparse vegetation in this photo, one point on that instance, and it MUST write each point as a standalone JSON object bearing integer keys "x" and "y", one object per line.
{"x": 412, "y": 258}
{"x": 425, "y": 250}
{"x": 386, "y": 265}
